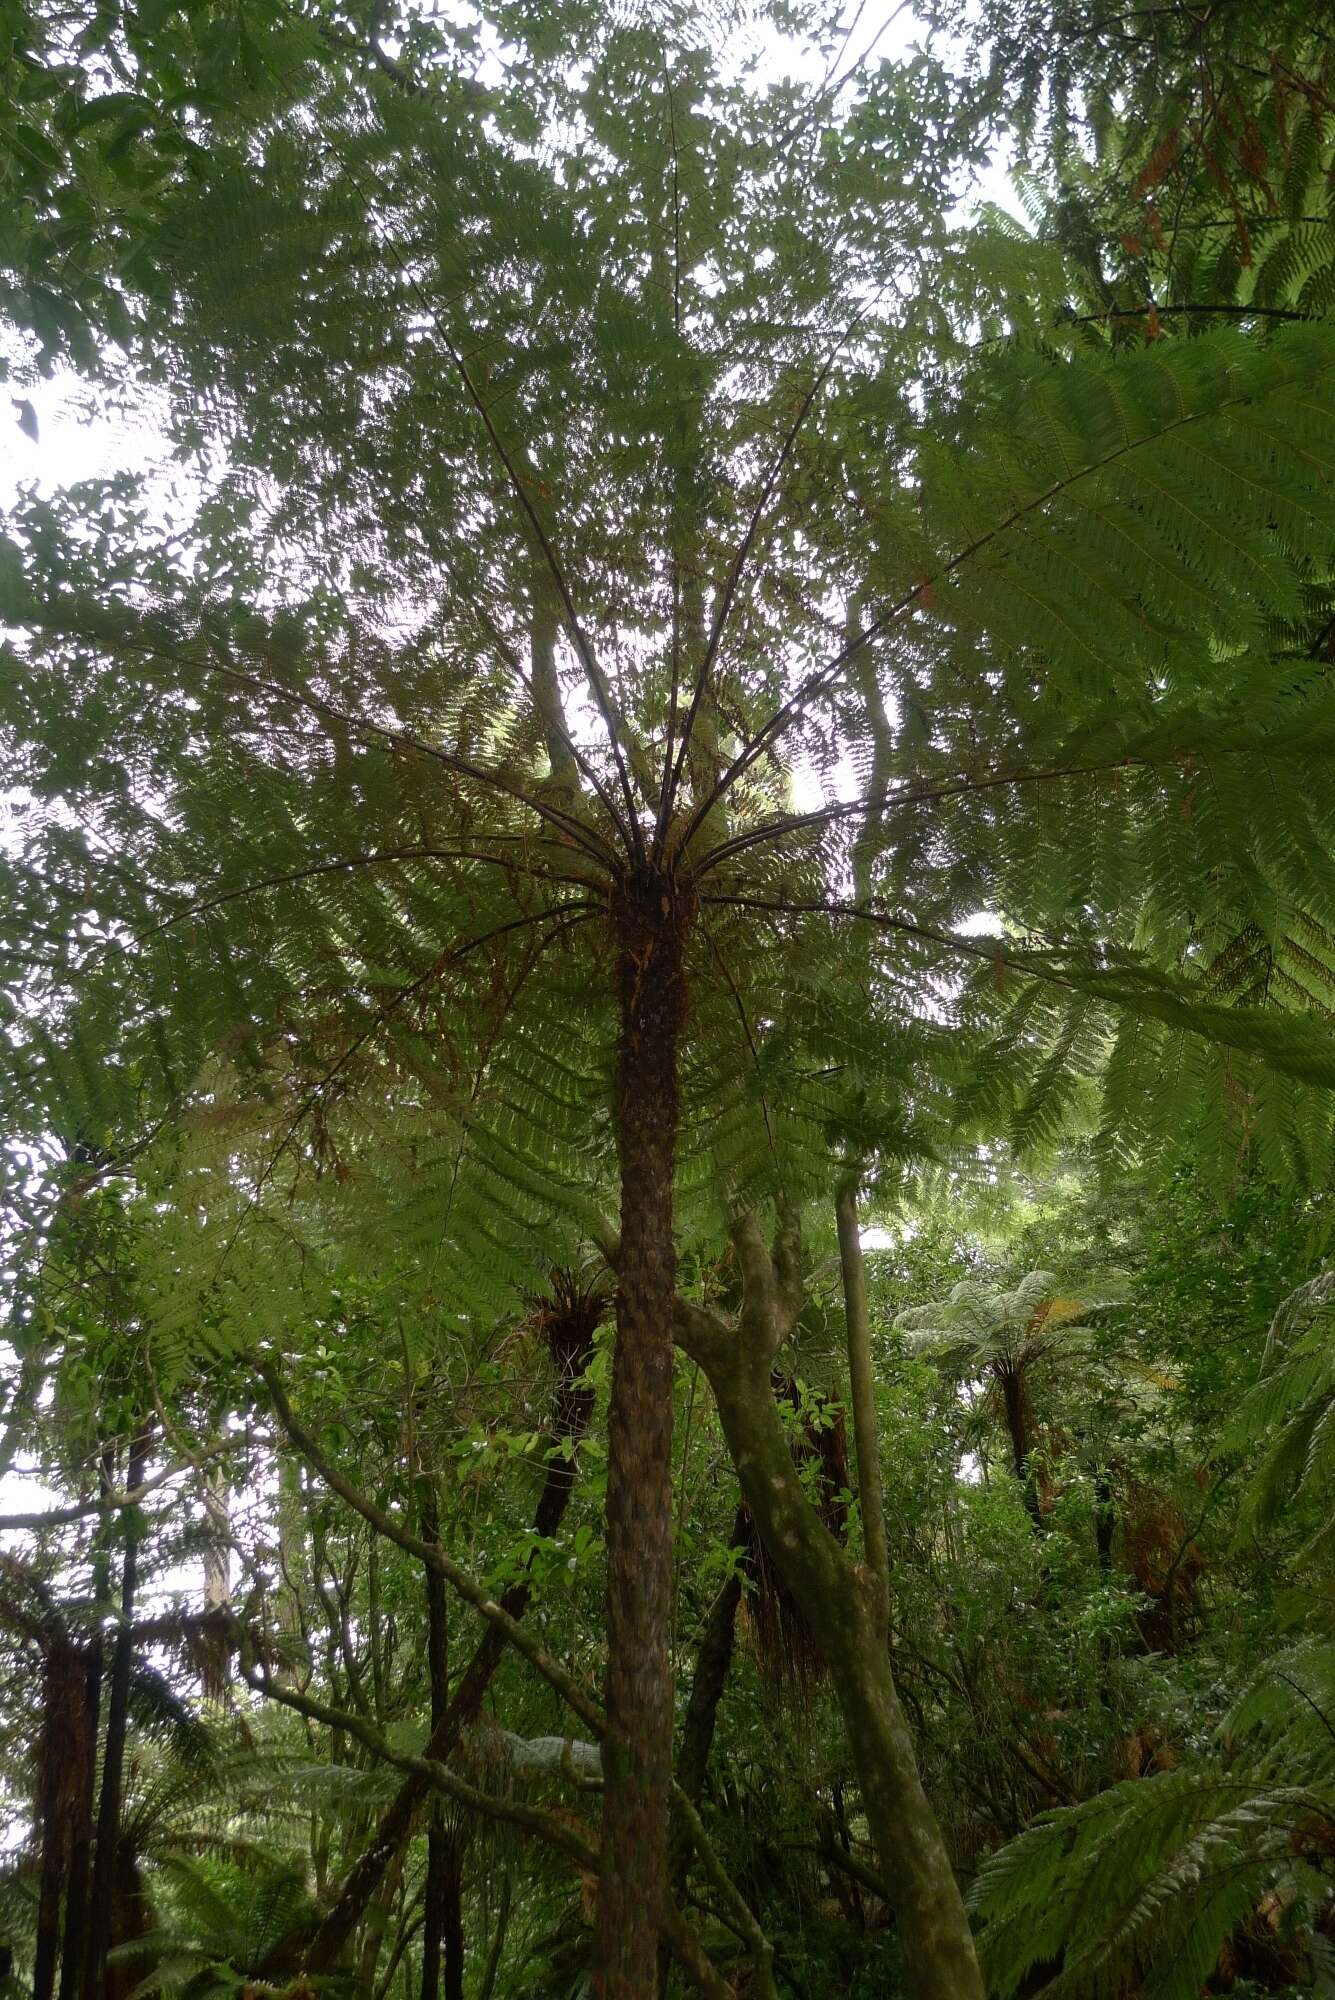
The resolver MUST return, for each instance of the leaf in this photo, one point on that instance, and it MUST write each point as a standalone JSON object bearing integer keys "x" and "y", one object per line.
{"x": 115, "y": 104}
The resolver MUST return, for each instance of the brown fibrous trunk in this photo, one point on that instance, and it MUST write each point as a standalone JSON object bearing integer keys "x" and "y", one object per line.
{"x": 651, "y": 990}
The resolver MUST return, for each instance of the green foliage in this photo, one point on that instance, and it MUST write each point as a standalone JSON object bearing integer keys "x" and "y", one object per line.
{"x": 603, "y": 474}
{"x": 1147, "y": 1881}
{"x": 1289, "y": 1411}
{"x": 979, "y": 1327}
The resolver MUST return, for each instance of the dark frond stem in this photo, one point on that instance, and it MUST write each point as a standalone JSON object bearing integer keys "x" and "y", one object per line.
{"x": 823, "y": 677}
{"x": 552, "y": 719}
{"x": 347, "y": 863}
{"x": 382, "y": 736}
{"x": 630, "y": 831}
{"x": 565, "y": 918}
{"x": 376, "y": 734}
{"x": 665, "y": 790}
{"x": 883, "y": 922}
{"x": 1224, "y": 310}
{"x": 740, "y": 1005}
{"x": 669, "y": 743}
{"x": 738, "y": 564}
{"x": 1315, "y": 1707}
{"x": 887, "y": 802}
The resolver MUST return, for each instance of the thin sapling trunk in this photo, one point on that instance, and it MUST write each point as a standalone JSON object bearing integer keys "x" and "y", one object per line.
{"x": 101, "y": 1900}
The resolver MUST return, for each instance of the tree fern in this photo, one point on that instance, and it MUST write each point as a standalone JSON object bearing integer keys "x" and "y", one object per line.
{"x": 1289, "y": 1410}
{"x": 1145, "y": 1882}
{"x": 432, "y": 776}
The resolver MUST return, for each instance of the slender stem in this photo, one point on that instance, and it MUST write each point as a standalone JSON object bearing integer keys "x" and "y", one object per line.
{"x": 102, "y": 1896}
{"x": 436, "y": 1913}
{"x": 497, "y": 1946}
{"x": 572, "y": 1409}
{"x": 434, "y": 1555}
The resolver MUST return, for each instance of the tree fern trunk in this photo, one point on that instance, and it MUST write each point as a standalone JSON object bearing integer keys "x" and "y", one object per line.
{"x": 81, "y": 1855}
{"x": 651, "y": 990}
{"x": 1015, "y": 1403}
{"x": 59, "y": 1787}
{"x": 1105, "y": 1520}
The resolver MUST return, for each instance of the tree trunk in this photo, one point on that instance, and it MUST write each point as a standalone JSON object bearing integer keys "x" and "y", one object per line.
{"x": 844, "y": 1609}
{"x": 438, "y": 1856}
{"x": 638, "y": 1748}
{"x": 102, "y": 1896}
{"x": 61, "y": 1785}
{"x": 452, "y": 1915}
{"x": 81, "y": 1854}
{"x": 712, "y": 1666}
{"x": 497, "y": 1946}
{"x": 1015, "y": 1405}
{"x": 377, "y": 1923}
{"x": 1105, "y": 1520}
{"x": 131, "y": 1920}
{"x": 711, "y": 1675}
{"x": 862, "y": 1391}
